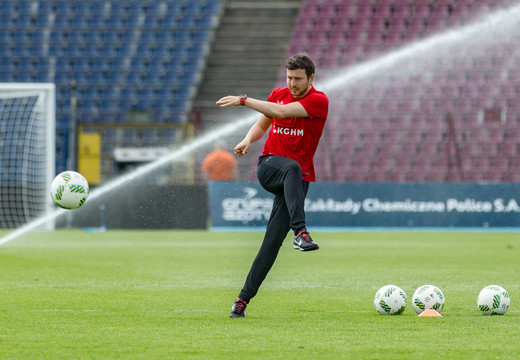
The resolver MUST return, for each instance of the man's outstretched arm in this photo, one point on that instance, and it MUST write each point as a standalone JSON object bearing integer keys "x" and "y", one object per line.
{"x": 270, "y": 109}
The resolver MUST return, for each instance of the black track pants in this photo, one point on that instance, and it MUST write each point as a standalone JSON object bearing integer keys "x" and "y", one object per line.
{"x": 282, "y": 177}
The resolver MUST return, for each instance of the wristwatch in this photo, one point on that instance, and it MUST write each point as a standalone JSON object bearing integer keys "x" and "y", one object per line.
{"x": 243, "y": 98}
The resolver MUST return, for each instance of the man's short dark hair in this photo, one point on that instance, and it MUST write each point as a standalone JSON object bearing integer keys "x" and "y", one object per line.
{"x": 301, "y": 61}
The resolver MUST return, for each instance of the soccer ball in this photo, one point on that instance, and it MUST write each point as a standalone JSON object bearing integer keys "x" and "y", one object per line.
{"x": 493, "y": 300}
{"x": 428, "y": 297}
{"x": 390, "y": 300}
{"x": 69, "y": 190}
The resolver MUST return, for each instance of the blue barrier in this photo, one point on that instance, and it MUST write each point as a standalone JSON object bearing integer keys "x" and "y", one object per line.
{"x": 246, "y": 205}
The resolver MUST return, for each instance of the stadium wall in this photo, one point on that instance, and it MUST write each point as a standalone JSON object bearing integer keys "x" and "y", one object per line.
{"x": 344, "y": 206}
{"x": 144, "y": 206}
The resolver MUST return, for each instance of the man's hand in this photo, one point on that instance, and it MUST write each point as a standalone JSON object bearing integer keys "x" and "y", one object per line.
{"x": 229, "y": 101}
{"x": 242, "y": 148}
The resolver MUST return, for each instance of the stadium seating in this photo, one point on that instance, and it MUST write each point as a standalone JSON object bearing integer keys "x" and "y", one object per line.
{"x": 103, "y": 47}
{"x": 394, "y": 126}
{"x": 453, "y": 118}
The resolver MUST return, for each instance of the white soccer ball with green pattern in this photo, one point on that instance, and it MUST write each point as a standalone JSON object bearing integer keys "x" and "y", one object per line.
{"x": 493, "y": 300}
{"x": 390, "y": 300}
{"x": 69, "y": 190}
{"x": 428, "y": 297}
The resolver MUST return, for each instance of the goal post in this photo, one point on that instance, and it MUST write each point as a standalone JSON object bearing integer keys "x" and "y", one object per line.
{"x": 27, "y": 152}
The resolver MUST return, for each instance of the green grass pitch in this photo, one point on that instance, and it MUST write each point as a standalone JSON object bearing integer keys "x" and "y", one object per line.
{"x": 68, "y": 294}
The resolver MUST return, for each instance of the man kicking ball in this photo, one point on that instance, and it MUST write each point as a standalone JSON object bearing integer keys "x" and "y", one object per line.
{"x": 296, "y": 115}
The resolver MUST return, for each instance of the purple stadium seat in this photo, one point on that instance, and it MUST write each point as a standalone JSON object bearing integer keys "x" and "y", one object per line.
{"x": 373, "y": 37}
{"x": 470, "y": 149}
{"x": 310, "y": 9}
{"x": 460, "y": 11}
{"x": 425, "y": 159}
{"x": 346, "y": 10}
{"x": 434, "y": 135}
{"x": 407, "y": 151}
{"x": 495, "y": 134}
{"x": 392, "y": 135}
{"x": 421, "y": 10}
{"x": 493, "y": 176}
{"x": 341, "y": 24}
{"x": 361, "y": 24}
{"x": 416, "y": 176}
{"x": 508, "y": 149}
{"x": 428, "y": 149}
{"x": 329, "y": 62}
{"x": 435, "y": 176}
{"x": 376, "y": 176}
{"x": 473, "y": 176}
{"x": 305, "y": 24}
{"x": 392, "y": 40}
{"x": 355, "y": 37}
{"x": 355, "y": 176}
{"x": 337, "y": 39}
{"x": 382, "y": 11}
{"x": 514, "y": 164}
{"x": 478, "y": 164}
{"x": 499, "y": 164}
{"x": 436, "y": 24}
{"x": 415, "y": 25}
{"x": 489, "y": 148}
{"x": 441, "y": 10}
{"x": 319, "y": 38}
{"x": 362, "y": 10}
{"x": 396, "y": 24}
{"x": 327, "y": 11}
{"x": 508, "y": 91}
{"x": 371, "y": 50}
{"x": 401, "y": 11}
{"x": 382, "y": 163}
{"x": 346, "y": 148}
{"x": 397, "y": 176}
{"x": 402, "y": 162}
{"x": 406, "y": 106}
{"x": 366, "y": 150}
{"x": 511, "y": 176}
{"x": 439, "y": 163}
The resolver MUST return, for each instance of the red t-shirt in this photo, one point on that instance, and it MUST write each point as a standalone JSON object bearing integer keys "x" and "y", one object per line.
{"x": 297, "y": 138}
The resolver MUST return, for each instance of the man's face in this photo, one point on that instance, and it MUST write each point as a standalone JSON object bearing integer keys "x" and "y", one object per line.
{"x": 298, "y": 82}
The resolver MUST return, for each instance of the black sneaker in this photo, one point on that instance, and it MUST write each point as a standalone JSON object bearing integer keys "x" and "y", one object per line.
{"x": 304, "y": 242}
{"x": 239, "y": 308}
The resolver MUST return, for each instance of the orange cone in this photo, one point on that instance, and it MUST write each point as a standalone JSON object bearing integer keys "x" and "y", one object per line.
{"x": 430, "y": 313}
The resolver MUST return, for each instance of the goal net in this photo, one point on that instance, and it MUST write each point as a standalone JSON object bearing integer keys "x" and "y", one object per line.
{"x": 27, "y": 151}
